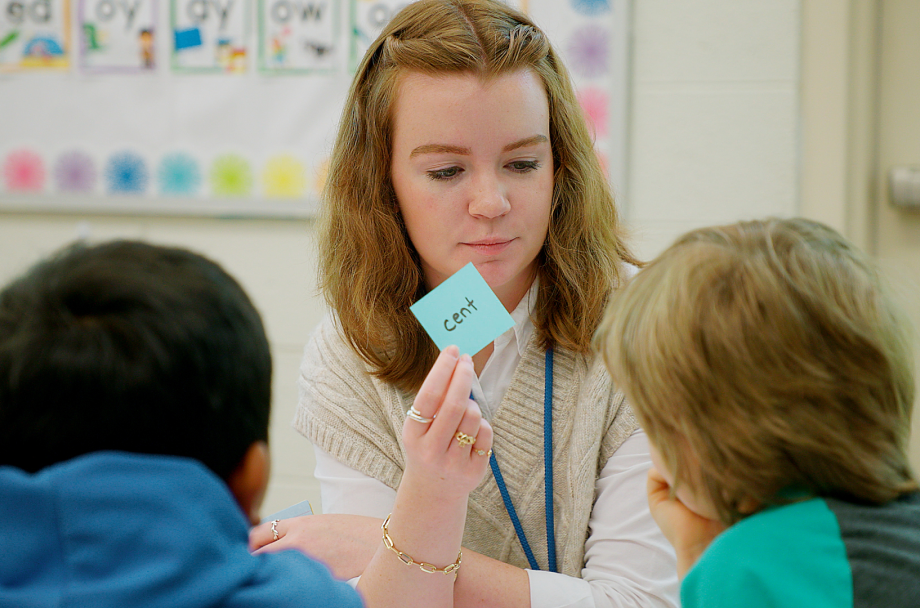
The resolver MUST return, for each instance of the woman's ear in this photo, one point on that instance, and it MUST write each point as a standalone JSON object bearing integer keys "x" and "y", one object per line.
{"x": 250, "y": 479}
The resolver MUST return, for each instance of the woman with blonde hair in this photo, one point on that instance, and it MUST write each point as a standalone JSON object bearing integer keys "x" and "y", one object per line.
{"x": 462, "y": 142}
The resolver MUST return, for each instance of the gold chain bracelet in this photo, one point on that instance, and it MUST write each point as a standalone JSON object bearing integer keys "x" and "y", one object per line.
{"x": 409, "y": 561}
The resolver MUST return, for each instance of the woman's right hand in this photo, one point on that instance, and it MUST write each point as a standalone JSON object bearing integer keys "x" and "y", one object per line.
{"x": 443, "y": 465}
{"x": 434, "y": 454}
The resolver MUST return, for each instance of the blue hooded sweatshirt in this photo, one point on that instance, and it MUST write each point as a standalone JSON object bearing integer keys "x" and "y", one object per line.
{"x": 130, "y": 530}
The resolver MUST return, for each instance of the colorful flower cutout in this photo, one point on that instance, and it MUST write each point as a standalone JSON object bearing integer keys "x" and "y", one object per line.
{"x": 591, "y": 7}
{"x": 284, "y": 176}
{"x": 231, "y": 176}
{"x": 75, "y": 171}
{"x": 24, "y": 171}
{"x": 588, "y": 50}
{"x": 178, "y": 174}
{"x": 126, "y": 173}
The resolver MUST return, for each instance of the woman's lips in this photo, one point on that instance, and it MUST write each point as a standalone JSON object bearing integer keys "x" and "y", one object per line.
{"x": 490, "y": 246}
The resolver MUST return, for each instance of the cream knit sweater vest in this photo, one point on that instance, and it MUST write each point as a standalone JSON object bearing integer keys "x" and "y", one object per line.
{"x": 358, "y": 420}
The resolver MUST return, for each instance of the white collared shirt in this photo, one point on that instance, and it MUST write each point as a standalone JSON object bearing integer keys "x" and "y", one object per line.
{"x": 507, "y": 350}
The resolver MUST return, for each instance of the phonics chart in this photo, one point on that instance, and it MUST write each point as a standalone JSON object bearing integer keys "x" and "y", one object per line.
{"x": 224, "y": 107}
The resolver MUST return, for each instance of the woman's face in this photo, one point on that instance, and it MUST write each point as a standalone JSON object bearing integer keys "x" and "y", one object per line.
{"x": 472, "y": 167}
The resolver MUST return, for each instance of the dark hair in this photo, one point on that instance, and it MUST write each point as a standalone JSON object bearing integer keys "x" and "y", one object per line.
{"x": 133, "y": 347}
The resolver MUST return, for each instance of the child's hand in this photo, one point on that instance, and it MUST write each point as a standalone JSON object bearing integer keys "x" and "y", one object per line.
{"x": 688, "y": 532}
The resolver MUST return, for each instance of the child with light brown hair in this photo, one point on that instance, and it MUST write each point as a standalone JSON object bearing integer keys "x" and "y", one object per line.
{"x": 773, "y": 376}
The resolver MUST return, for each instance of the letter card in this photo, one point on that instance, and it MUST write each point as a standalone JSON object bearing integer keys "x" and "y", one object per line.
{"x": 34, "y": 34}
{"x": 117, "y": 35}
{"x": 464, "y": 311}
{"x": 210, "y": 35}
{"x": 298, "y": 35}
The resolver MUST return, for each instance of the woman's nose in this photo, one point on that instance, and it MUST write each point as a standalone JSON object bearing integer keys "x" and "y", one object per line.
{"x": 489, "y": 199}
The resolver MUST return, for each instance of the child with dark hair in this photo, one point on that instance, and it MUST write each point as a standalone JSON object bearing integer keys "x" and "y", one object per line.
{"x": 135, "y": 387}
{"x": 773, "y": 376}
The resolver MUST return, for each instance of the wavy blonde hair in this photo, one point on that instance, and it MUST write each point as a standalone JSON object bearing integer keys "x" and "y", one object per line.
{"x": 369, "y": 271}
{"x": 770, "y": 354}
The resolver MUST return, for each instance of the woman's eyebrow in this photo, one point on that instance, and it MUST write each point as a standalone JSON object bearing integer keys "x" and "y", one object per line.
{"x": 439, "y": 149}
{"x": 448, "y": 149}
{"x": 527, "y": 141}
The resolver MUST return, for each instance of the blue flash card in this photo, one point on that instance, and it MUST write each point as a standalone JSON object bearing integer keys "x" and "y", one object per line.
{"x": 464, "y": 311}
{"x": 301, "y": 508}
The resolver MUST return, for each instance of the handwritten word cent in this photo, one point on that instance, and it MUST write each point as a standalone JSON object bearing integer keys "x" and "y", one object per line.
{"x": 459, "y": 316}
{"x": 463, "y": 311}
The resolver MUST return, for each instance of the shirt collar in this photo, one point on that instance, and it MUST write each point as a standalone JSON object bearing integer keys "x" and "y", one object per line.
{"x": 523, "y": 323}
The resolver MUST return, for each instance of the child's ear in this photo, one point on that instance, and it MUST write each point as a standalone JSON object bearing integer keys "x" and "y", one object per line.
{"x": 748, "y": 505}
{"x": 248, "y": 482}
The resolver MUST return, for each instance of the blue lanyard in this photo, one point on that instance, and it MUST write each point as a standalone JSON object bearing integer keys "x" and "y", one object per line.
{"x": 548, "y": 473}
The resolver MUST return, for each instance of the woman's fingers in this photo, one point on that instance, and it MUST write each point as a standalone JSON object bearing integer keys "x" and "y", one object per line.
{"x": 483, "y": 446}
{"x": 458, "y": 434}
{"x": 467, "y": 433}
{"x": 448, "y": 456}
{"x": 456, "y": 399}
{"x": 262, "y": 535}
{"x": 444, "y": 397}
{"x": 431, "y": 394}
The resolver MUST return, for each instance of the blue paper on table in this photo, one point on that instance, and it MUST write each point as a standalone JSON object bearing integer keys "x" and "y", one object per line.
{"x": 301, "y": 508}
{"x": 464, "y": 311}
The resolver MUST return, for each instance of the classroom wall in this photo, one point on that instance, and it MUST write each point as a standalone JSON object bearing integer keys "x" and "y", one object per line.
{"x": 714, "y": 115}
{"x": 715, "y": 136}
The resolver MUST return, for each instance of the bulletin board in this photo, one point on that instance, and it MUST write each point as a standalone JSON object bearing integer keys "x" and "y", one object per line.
{"x": 224, "y": 107}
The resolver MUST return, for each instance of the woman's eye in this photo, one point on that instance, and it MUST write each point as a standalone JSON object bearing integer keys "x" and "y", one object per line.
{"x": 442, "y": 174}
{"x": 524, "y": 166}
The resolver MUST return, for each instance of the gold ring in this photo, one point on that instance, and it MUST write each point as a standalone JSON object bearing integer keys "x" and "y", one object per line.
{"x": 464, "y": 439}
{"x": 275, "y": 534}
{"x": 484, "y": 453}
{"x": 417, "y": 416}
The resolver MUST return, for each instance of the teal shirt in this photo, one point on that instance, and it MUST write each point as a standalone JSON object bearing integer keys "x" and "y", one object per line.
{"x": 816, "y": 554}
